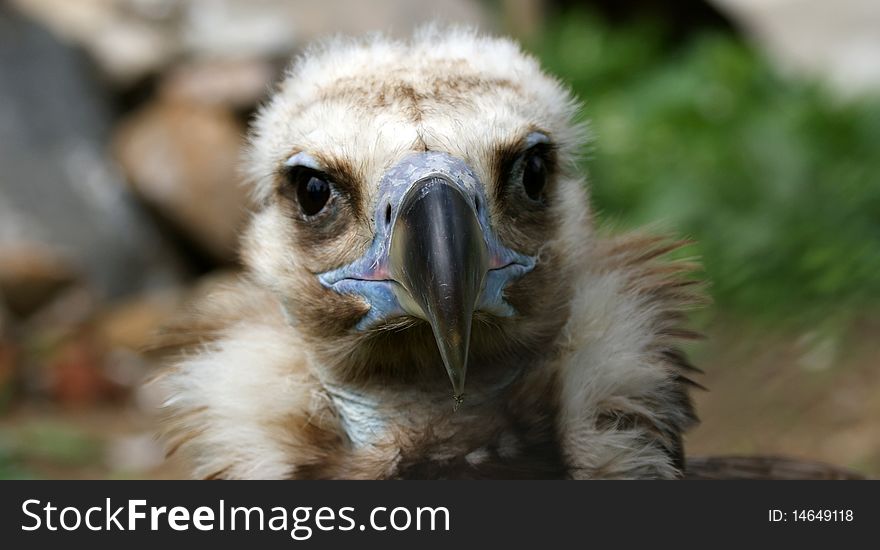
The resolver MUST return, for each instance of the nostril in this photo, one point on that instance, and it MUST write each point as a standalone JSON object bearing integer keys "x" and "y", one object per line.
{"x": 477, "y": 204}
{"x": 388, "y": 214}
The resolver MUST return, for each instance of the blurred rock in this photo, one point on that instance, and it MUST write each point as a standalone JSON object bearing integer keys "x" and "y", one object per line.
{"x": 30, "y": 275}
{"x": 8, "y": 372}
{"x": 182, "y": 158}
{"x": 127, "y": 369}
{"x": 4, "y": 319}
{"x": 838, "y": 41}
{"x": 135, "y": 453}
{"x": 260, "y": 28}
{"x": 72, "y": 308}
{"x": 133, "y": 324}
{"x": 57, "y": 187}
{"x": 130, "y": 39}
{"x": 77, "y": 376}
{"x": 45, "y": 336}
{"x": 81, "y": 351}
{"x": 239, "y": 84}
{"x": 524, "y": 18}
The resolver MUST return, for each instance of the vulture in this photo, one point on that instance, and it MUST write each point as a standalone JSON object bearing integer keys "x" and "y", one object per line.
{"x": 425, "y": 293}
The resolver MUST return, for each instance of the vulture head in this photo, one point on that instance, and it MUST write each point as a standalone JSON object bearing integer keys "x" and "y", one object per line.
{"x": 423, "y": 245}
{"x": 420, "y": 205}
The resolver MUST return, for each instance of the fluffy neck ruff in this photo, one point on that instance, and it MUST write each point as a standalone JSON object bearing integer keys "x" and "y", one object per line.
{"x": 244, "y": 399}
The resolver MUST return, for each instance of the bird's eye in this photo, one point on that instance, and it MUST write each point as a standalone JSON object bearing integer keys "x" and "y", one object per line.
{"x": 313, "y": 191}
{"x": 534, "y": 175}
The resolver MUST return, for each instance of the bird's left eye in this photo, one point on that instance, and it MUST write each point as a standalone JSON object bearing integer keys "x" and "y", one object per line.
{"x": 312, "y": 190}
{"x": 313, "y": 195}
{"x": 534, "y": 175}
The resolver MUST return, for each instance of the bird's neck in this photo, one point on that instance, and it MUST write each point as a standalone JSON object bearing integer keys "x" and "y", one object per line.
{"x": 412, "y": 431}
{"x": 366, "y": 411}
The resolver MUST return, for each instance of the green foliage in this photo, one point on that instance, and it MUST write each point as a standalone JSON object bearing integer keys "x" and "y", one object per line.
{"x": 776, "y": 180}
{"x": 46, "y": 443}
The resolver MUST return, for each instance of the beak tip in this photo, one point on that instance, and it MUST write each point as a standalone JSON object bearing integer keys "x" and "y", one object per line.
{"x": 456, "y": 401}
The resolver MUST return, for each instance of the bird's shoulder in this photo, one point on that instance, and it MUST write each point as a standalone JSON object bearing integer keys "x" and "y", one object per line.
{"x": 623, "y": 375}
{"x": 216, "y": 306}
{"x": 238, "y": 388}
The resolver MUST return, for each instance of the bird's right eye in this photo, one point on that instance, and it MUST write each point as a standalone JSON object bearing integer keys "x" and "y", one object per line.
{"x": 313, "y": 190}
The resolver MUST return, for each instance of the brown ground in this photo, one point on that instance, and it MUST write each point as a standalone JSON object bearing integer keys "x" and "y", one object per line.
{"x": 810, "y": 396}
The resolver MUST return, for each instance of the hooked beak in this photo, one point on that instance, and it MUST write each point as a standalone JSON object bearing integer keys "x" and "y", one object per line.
{"x": 439, "y": 257}
{"x": 433, "y": 256}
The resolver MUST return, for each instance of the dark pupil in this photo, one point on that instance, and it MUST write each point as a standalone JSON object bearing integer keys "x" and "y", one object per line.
{"x": 534, "y": 176}
{"x": 312, "y": 193}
